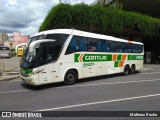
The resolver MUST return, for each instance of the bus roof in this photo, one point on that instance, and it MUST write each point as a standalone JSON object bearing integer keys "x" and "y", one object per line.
{"x": 85, "y": 34}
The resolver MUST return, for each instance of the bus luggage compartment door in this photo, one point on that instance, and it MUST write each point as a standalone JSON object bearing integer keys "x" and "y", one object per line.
{"x": 88, "y": 69}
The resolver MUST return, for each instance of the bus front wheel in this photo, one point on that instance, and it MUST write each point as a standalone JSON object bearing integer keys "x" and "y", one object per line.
{"x": 70, "y": 77}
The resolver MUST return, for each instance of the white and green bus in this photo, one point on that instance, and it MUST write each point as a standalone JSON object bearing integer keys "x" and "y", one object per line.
{"x": 65, "y": 55}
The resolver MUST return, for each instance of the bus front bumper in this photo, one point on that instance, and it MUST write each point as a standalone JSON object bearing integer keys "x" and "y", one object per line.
{"x": 27, "y": 80}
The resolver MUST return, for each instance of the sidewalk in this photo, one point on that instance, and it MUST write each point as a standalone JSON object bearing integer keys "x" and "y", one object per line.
{"x": 9, "y": 68}
{"x": 9, "y": 76}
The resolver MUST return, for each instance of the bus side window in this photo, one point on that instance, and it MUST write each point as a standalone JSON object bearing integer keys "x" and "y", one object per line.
{"x": 140, "y": 48}
{"x": 83, "y": 44}
{"x": 133, "y": 48}
{"x": 98, "y": 46}
{"x": 72, "y": 46}
{"x": 137, "y": 49}
{"x": 111, "y": 46}
{"x": 105, "y": 46}
{"x": 128, "y": 47}
{"x": 119, "y": 47}
{"x": 91, "y": 44}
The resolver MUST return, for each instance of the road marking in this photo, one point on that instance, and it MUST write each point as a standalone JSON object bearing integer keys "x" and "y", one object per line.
{"x": 13, "y": 91}
{"x": 100, "y": 102}
{"x": 126, "y": 82}
{"x": 150, "y": 73}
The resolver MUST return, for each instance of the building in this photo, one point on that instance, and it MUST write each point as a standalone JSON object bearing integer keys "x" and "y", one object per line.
{"x": 149, "y": 7}
{"x": 3, "y": 38}
{"x": 16, "y": 39}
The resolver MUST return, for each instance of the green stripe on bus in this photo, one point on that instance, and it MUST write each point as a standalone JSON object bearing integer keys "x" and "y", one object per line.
{"x": 76, "y": 56}
{"x": 129, "y": 57}
{"x": 97, "y": 57}
{"x": 103, "y": 57}
{"x": 119, "y": 57}
{"x": 27, "y": 71}
{"x": 116, "y": 63}
{"x": 137, "y": 57}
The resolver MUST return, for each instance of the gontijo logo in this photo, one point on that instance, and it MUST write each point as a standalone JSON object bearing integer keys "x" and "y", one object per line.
{"x": 92, "y": 57}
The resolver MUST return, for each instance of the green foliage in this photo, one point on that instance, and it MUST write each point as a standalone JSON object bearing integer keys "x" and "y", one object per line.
{"x": 12, "y": 49}
{"x": 98, "y": 17}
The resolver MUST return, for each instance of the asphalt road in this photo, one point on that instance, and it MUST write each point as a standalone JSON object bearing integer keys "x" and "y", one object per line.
{"x": 137, "y": 92}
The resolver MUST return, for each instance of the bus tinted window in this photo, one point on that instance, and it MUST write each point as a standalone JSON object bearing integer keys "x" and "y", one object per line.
{"x": 128, "y": 48}
{"x": 119, "y": 47}
{"x": 48, "y": 54}
{"x": 133, "y": 48}
{"x": 94, "y": 45}
{"x": 140, "y": 48}
{"x": 105, "y": 46}
{"x": 58, "y": 37}
{"x": 111, "y": 46}
{"x": 99, "y": 46}
{"x": 73, "y": 46}
{"x": 82, "y": 44}
{"x": 76, "y": 44}
{"x": 79, "y": 43}
{"x": 91, "y": 44}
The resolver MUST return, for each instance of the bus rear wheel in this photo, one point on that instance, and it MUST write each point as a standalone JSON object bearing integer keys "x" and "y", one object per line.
{"x": 133, "y": 69}
{"x": 70, "y": 77}
{"x": 126, "y": 70}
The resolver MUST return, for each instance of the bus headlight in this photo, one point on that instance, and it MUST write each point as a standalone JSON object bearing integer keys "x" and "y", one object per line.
{"x": 30, "y": 74}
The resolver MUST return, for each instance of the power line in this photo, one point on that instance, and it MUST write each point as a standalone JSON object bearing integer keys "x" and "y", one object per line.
{"x": 32, "y": 5}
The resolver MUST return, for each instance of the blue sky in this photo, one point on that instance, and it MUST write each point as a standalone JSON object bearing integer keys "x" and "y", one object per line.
{"x": 25, "y": 16}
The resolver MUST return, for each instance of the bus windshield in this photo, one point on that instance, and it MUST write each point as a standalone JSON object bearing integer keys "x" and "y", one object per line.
{"x": 40, "y": 52}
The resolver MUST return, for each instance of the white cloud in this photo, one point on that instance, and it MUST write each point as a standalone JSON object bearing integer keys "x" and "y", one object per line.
{"x": 25, "y": 16}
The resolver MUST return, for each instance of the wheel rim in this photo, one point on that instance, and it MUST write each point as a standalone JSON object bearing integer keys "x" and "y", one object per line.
{"x": 70, "y": 77}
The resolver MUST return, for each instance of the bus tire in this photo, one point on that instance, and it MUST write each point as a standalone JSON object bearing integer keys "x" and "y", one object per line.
{"x": 132, "y": 69}
{"x": 126, "y": 70}
{"x": 70, "y": 77}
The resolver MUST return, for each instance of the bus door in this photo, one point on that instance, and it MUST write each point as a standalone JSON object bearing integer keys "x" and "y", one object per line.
{"x": 45, "y": 62}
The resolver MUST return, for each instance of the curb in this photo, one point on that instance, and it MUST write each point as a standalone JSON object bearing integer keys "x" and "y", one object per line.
{"x": 11, "y": 73}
